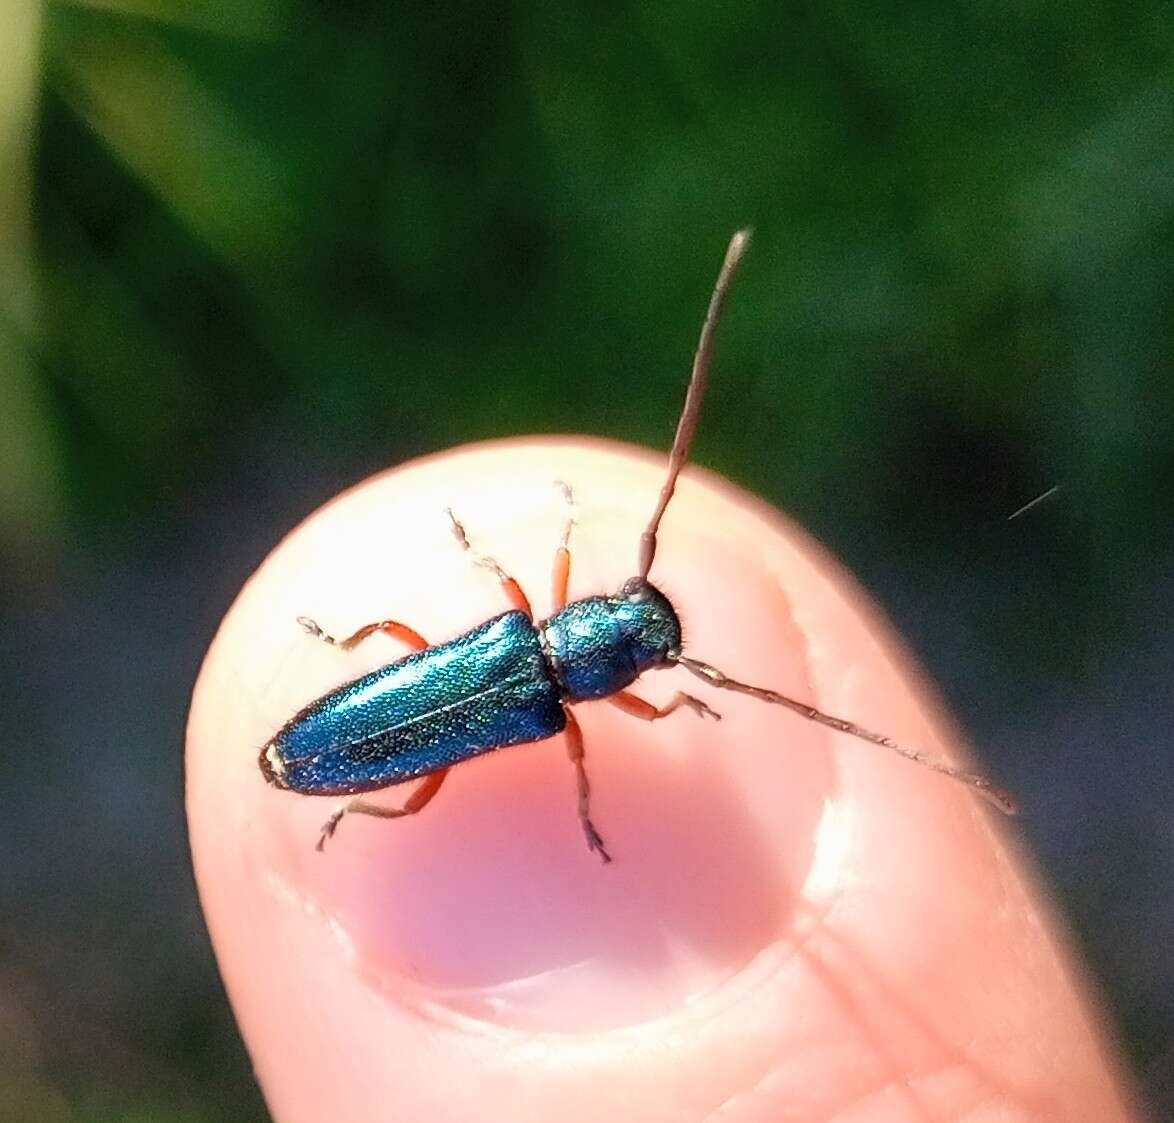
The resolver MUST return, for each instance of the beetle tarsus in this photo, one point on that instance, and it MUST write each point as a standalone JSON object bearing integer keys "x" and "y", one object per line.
{"x": 313, "y": 628}
{"x": 636, "y": 706}
{"x": 328, "y": 829}
{"x": 513, "y": 591}
{"x": 699, "y": 707}
{"x": 594, "y": 841}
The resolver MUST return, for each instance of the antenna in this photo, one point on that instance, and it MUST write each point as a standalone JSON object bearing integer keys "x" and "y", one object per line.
{"x": 991, "y": 792}
{"x": 691, "y": 411}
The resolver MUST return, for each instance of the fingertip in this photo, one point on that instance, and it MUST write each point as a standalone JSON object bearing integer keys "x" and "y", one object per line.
{"x": 486, "y": 918}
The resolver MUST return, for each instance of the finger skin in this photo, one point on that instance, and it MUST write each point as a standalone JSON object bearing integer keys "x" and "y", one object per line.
{"x": 795, "y": 926}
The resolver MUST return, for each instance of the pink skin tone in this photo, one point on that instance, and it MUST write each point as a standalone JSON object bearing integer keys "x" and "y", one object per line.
{"x": 795, "y": 926}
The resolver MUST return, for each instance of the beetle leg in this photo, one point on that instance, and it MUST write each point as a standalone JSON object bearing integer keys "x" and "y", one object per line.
{"x": 646, "y": 711}
{"x": 575, "y": 752}
{"x": 389, "y": 627}
{"x": 511, "y": 588}
{"x": 416, "y": 802}
{"x": 562, "y": 555}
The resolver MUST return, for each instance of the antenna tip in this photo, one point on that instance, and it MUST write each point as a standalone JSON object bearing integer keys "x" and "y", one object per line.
{"x": 1000, "y": 797}
{"x": 739, "y": 242}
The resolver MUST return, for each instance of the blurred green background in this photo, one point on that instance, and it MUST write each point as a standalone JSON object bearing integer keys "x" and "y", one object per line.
{"x": 253, "y": 250}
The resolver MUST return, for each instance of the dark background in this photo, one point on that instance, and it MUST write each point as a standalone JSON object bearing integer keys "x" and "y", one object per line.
{"x": 264, "y": 249}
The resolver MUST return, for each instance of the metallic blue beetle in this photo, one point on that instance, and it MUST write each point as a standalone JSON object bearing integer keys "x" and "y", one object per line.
{"x": 509, "y": 681}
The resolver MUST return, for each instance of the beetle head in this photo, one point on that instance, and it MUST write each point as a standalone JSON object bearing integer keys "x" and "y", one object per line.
{"x": 649, "y": 623}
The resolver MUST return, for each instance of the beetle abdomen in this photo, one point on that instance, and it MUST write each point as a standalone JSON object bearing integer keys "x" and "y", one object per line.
{"x": 484, "y": 690}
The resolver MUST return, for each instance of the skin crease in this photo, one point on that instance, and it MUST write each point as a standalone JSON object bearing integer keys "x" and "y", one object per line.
{"x": 796, "y": 925}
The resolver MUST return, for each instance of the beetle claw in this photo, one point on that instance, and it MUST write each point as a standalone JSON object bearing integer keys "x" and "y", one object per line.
{"x": 700, "y": 708}
{"x": 328, "y": 829}
{"x": 595, "y": 841}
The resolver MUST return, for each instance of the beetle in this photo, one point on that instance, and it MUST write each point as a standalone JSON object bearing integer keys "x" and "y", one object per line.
{"x": 512, "y": 679}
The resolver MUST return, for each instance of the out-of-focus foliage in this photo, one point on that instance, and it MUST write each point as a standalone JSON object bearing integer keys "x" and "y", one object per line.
{"x": 417, "y": 225}
{"x": 30, "y": 462}
{"x": 263, "y": 236}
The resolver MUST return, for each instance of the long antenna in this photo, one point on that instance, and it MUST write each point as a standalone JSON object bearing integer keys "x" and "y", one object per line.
{"x": 991, "y": 792}
{"x": 698, "y": 380}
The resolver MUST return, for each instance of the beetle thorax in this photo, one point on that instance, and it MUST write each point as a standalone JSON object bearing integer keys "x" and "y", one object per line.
{"x": 599, "y": 645}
